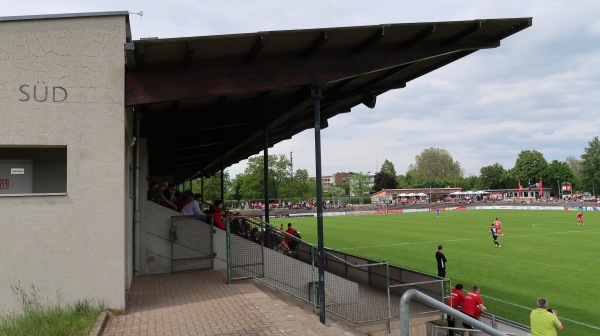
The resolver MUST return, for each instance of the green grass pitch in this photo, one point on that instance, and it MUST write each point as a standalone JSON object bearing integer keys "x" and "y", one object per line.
{"x": 543, "y": 254}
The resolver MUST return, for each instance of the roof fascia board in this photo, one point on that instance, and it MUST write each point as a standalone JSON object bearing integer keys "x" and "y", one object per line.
{"x": 180, "y": 84}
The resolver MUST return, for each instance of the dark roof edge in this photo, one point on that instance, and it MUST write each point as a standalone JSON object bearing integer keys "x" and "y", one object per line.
{"x": 62, "y": 16}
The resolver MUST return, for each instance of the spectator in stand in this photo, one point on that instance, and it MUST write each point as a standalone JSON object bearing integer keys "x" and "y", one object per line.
{"x": 283, "y": 247}
{"x": 235, "y": 226}
{"x": 158, "y": 195}
{"x": 254, "y": 235}
{"x": 544, "y": 321}
{"x": 184, "y": 199}
{"x": 288, "y": 240}
{"x": 170, "y": 193}
{"x": 193, "y": 207}
{"x": 153, "y": 186}
{"x": 455, "y": 301}
{"x": 472, "y": 305}
{"x": 217, "y": 212}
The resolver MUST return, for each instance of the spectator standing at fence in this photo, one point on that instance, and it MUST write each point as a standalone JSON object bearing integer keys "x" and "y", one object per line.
{"x": 455, "y": 301}
{"x": 544, "y": 321}
{"x": 441, "y": 262}
{"x": 494, "y": 233}
{"x": 472, "y": 305}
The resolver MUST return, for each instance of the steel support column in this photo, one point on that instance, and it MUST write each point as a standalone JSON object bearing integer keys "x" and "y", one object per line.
{"x": 266, "y": 175}
{"x": 223, "y": 181}
{"x": 316, "y": 94}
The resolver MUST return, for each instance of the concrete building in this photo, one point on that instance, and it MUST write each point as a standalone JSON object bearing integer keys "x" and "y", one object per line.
{"x": 65, "y": 159}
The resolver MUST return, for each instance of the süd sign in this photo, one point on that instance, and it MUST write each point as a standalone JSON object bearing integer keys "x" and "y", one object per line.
{"x": 41, "y": 93}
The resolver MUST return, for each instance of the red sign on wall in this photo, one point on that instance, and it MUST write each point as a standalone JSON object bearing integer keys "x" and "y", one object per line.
{"x": 4, "y": 183}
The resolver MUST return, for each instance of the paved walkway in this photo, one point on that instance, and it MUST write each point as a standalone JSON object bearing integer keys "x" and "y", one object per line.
{"x": 201, "y": 303}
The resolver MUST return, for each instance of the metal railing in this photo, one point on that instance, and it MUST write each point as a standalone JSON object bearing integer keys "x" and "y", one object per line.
{"x": 357, "y": 289}
{"x": 413, "y": 294}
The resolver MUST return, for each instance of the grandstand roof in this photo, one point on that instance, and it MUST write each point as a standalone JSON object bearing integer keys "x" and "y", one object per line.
{"x": 206, "y": 101}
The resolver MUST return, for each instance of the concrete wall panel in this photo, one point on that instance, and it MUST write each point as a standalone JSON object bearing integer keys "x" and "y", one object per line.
{"x": 62, "y": 84}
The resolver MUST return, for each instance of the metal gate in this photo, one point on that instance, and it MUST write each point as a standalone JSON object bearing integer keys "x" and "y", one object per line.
{"x": 191, "y": 244}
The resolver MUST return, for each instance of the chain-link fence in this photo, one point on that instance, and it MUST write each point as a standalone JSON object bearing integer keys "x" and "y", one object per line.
{"x": 357, "y": 289}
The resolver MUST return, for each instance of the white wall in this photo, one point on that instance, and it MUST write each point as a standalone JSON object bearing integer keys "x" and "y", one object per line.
{"x": 69, "y": 247}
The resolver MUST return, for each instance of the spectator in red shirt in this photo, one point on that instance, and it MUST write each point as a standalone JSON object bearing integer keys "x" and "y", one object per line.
{"x": 288, "y": 240}
{"x": 216, "y": 210}
{"x": 472, "y": 305}
{"x": 455, "y": 301}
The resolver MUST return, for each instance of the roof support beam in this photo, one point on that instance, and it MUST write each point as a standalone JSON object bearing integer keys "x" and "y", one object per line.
{"x": 256, "y": 48}
{"x": 315, "y": 45}
{"x": 164, "y": 85}
{"x": 465, "y": 33}
{"x": 425, "y": 33}
{"x": 189, "y": 54}
{"x": 371, "y": 40}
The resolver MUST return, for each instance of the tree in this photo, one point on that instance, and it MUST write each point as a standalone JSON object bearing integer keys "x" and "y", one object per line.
{"x": 253, "y": 185}
{"x": 435, "y": 164}
{"x": 384, "y": 181}
{"x": 235, "y": 192}
{"x": 575, "y": 165}
{"x": 491, "y": 176}
{"x": 212, "y": 185}
{"x": 590, "y": 166}
{"x": 299, "y": 187}
{"x": 388, "y": 168}
{"x": 359, "y": 184}
{"x": 470, "y": 182}
{"x": 529, "y": 166}
{"x": 555, "y": 173}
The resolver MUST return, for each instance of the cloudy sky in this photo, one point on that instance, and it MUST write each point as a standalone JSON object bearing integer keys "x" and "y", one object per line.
{"x": 540, "y": 90}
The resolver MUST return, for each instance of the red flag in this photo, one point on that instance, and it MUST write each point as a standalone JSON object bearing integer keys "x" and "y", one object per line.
{"x": 519, "y": 188}
{"x": 541, "y": 191}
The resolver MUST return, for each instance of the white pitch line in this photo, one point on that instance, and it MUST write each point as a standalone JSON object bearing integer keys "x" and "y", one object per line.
{"x": 463, "y": 239}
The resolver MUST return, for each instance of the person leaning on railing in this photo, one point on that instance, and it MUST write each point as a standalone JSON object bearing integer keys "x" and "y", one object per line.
{"x": 455, "y": 301}
{"x": 217, "y": 211}
{"x": 472, "y": 305}
{"x": 544, "y": 321}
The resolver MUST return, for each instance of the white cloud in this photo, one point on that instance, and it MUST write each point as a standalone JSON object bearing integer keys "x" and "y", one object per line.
{"x": 539, "y": 90}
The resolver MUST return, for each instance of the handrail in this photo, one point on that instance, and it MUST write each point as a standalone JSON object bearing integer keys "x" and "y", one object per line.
{"x": 415, "y": 294}
{"x": 417, "y": 283}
